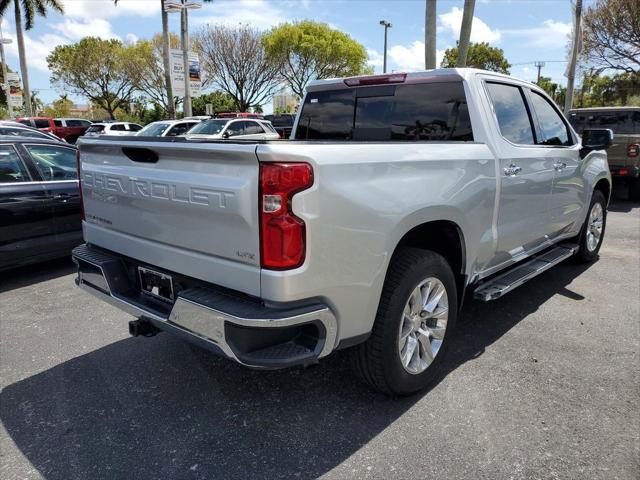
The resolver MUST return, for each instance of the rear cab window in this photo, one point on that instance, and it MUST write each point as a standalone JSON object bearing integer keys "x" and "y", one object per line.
{"x": 435, "y": 111}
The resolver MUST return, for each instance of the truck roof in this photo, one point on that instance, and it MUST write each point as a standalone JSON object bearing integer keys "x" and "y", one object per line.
{"x": 452, "y": 74}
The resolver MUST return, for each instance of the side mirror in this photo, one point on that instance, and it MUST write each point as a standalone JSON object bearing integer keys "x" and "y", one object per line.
{"x": 597, "y": 139}
{"x": 226, "y": 134}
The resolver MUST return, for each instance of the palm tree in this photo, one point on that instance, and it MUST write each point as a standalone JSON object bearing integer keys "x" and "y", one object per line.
{"x": 31, "y": 8}
{"x": 430, "y": 35}
{"x": 465, "y": 32}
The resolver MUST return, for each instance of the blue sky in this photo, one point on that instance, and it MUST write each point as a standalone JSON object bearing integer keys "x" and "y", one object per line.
{"x": 527, "y": 30}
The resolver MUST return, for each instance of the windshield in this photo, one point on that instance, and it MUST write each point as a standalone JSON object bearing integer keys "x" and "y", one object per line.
{"x": 208, "y": 127}
{"x": 153, "y": 130}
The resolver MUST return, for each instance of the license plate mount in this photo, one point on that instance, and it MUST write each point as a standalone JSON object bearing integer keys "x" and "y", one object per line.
{"x": 156, "y": 284}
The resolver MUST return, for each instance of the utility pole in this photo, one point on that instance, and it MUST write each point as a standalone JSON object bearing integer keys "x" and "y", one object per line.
{"x": 575, "y": 47}
{"x": 5, "y": 80}
{"x": 465, "y": 32}
{"x": 167, "y": 62}
{"x": 539, "y": 65}
{"x": 430, "y": 35}
{"x": 386, "y": 25}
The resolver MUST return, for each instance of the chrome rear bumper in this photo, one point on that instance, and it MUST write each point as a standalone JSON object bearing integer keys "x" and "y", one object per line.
{"x": 244, "y": 330}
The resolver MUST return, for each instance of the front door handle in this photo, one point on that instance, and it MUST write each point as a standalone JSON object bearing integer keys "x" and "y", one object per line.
{"x": 512, "y": 170}
{"x": 559, "y": 166}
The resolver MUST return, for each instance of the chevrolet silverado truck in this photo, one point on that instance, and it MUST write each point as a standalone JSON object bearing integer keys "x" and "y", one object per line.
{"x": 396, "y": 196}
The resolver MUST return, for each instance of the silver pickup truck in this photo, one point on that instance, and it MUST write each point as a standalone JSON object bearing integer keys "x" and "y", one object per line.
{"x": 395, "y": 196}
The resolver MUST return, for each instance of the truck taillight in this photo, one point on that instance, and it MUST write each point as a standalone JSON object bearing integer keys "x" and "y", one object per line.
{"x": 78, "y": 165}
{"x": 633, "y": 150}
{"x": 282, "y": 234}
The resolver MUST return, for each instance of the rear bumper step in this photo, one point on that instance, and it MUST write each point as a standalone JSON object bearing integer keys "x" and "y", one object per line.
{"x": 246, "y": 331}
{"x": 496, "y": 287}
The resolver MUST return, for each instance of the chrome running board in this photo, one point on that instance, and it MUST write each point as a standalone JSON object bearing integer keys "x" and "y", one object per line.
{"x": 514, "y": 277}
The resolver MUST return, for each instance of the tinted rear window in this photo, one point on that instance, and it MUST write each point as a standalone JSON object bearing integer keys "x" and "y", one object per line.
{"x": 41, "y": 123}
{"x": 430, "y": 111}
{"x": 624, "y": 122}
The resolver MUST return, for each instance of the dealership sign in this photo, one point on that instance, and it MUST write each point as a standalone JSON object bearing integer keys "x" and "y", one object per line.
{"x": 177, "y": 73}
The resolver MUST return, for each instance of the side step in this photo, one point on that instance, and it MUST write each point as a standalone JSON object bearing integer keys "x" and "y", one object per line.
{"x": 523, "y": 272}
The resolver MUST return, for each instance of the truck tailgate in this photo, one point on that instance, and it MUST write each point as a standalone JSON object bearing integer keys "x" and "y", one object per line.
{"x": 194, "y": 210}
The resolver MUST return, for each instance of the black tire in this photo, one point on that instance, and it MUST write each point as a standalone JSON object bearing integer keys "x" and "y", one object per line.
{"x": 634, "y": 189}
{"x": 585, "y": 254}
{"x": 377, "y": 361}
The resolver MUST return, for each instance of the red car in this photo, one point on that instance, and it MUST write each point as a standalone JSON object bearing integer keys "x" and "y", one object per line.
{"x": 68, "y": 129}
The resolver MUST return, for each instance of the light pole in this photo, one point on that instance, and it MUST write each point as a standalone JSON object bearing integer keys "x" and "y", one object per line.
{"x": 5, "y": 80}
{"x": 539, "y": 66}
{"x": 386, "y": 25}
{"x": 183, "y": 7}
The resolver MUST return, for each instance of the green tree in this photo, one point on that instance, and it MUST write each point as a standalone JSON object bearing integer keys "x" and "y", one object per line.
{"x": 480, "y": 55}
{"x": 30, "y": 7}
{"x": 221, "y": 102}
{"x": 59, "y": 108}
{"x": 612, "y": 35}
{"x": 557, "y": 92}
{"x": 105, "y": 71}
{"x": 308, "y": 50}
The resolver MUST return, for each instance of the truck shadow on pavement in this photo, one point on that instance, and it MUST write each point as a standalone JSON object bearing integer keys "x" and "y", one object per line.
{"x": 158, "y": 408}
{"x": 36, "y": 273}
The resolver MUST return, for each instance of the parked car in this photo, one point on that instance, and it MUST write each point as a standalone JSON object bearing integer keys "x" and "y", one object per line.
{"x": 67, "y": 129}
{"x": 282, "y": 123}
{"x": 167, "y": 128}
{"x": 624, "y": 154}
{"x": 20, "y": 130}
{"x": 70, "y": 129}
{"x": 39, "y": 200}
{"x": 396, "y": 195}
{"x": 248, "y": 129}
{"x": 112, "y": 128}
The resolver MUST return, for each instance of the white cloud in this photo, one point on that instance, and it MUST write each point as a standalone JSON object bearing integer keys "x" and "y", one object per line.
{"x": 93, "y": 9}
{"x": 75, "y": 30}
{"x": 551, "y": 34}
{"x": 375, "y": 57}
{"x": 131, "y": 38}
{"x": 480, "y": 31}
{"x": 410, "y": 58}
{"x": 259, "y": 14}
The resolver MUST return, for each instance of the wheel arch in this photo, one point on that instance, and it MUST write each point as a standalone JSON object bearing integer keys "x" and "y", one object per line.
{"x": 604, "y": 185}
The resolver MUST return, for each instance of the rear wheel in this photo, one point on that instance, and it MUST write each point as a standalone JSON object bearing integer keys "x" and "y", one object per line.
{"x": 592, "y": 232}
{"x": 416, "y": 315}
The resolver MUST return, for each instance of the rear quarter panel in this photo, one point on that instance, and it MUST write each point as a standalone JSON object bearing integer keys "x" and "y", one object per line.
{"x": 365, "y": 198}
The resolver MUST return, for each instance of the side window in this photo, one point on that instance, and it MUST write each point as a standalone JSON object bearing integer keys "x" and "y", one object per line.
{"x": 25, "y": 121}
{"x": 58, "y": 123}
{"x": 134, "y": 127}
{"x": 54, "y": 163}
{"x": 511, "y": 111}
{"x": 118, "y": 127}
{"x": 41, "y": 123}
{"x": 11, "y": 167}
{"x": 23, "y": 132}
{"x": 179, "y": 129}
{"x": 235, "y": 129}
{"x": 75, "y": 123}
{"x": 553, "y": 129}
{"x": 252, "y": 128}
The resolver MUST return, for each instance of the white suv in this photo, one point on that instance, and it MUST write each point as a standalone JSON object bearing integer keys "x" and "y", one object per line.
{"x": 112, "y": 128}
{"x": 242, "y": 128}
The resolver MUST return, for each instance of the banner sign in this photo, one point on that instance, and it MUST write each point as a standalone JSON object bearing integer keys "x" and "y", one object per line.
{"x": 15, "y": 89}
{"x": 177, "y": 73}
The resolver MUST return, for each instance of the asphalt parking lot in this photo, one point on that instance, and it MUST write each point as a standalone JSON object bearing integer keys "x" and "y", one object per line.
{"x": 543, "y": 383}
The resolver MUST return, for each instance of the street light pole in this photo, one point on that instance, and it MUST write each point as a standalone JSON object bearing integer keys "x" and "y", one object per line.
{"x": 386, "y": 25}
{"x": 5, "y": 80}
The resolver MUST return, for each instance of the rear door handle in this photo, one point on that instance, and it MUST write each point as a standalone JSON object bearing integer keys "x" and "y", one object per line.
{"x": 559, "y": 166}
{"x": 512, "y": 170}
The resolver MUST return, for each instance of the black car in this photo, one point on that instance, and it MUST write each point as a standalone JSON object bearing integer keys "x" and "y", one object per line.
{"x": 39, "y": 200}
{"x": 283, "y": 123}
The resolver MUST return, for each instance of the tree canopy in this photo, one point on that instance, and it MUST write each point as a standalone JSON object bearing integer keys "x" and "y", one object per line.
{"x": 481, "y": 55}
{"x": 308, "y": 50}
{"x": 105, "y": 71}
{"x": 221, "y": 102}
{"x": 612, "y": 35}
{"x": 235, "y": 61}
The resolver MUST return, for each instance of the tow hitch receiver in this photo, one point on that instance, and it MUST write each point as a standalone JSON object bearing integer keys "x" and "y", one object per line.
{"x": 143, "y": 327}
